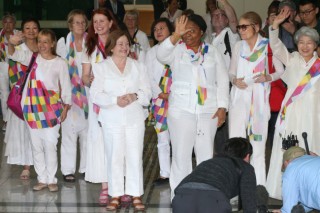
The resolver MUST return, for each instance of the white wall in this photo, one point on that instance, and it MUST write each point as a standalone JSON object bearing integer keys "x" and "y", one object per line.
{"x": 240, "y": 6}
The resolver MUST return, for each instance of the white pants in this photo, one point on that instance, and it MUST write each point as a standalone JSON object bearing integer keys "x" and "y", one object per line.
{"x": 189, "y": 131}
{"x": 45, "y": 159}
{"x": 124, "y": 152}
{"x": 4, "y": 89}
{"x": 164, "y": 153}
{"x": 69, "y": 148}
{"x": 238, "y": 122}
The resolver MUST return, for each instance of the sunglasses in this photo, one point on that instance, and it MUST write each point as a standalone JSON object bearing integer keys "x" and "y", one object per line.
{"x": 244, "y": 27}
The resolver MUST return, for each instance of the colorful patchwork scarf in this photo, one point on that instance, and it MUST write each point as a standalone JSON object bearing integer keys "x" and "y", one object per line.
{"x": 160, "y": 106}
{"x": 16, "y": 71}
{"x": 3, "y": 53}
{"x": 197, "y": 59}
{"x": 100, "y": 55}
{"x": 42, "y": 108}
{"x": 306, "y": 83}
{"x": 79, "y": 96}
{"x": 255, "y": 126}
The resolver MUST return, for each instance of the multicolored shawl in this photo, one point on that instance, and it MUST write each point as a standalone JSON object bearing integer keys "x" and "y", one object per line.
{"x": 79, "y": 96}
{"x": 100, "y": 55}
{"x": 306, "y": 83}
{"x": 42, "y": 108}
{"x": 3, "y": 53}
{"x": 255, "y": 126}
{"x": 16, "y": 71}
{"x": 160, "y": 106}
{"x": 197, "y": 59}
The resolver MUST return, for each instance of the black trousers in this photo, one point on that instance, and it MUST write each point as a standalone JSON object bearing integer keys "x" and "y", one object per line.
{"x": 200, "y": 201}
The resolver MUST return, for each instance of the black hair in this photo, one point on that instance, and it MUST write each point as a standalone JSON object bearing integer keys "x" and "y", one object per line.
{"x": 273, "y": 7}
{"x": 313, "y": 2}
{"x": 198, "y": 20}
{"x": 238, "y": 148}
{"x": 164, "y": 20}
{"x": 24, "y": 21}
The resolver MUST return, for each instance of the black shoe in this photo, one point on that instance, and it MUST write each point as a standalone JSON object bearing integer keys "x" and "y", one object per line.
{"x": 161, "y": 181}
{"x": 69, "y": 178}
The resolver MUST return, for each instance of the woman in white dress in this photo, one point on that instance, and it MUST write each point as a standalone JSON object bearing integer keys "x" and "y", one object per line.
{"x": 102, "y": 23}
{"x": 17, "y": 137}
{"x": 121, "y": 88}
{"x": 301, "y": 106}
{"x": 172, "y": 12}
{"x": 76, "y": 124}
{"x": 249, "y": 74}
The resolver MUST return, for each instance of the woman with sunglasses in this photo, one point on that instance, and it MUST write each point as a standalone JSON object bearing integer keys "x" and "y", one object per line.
{"x": 300, "y": 107}
{"x": 250, "y": 75}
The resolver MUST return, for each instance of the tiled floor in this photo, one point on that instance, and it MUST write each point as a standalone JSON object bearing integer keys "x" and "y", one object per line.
{"x": 17, "y": 195}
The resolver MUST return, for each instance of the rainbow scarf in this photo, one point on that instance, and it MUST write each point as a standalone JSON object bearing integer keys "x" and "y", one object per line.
{"x": 42, "y": 107}
{"x": 259, "y": 93}
{"x": 306, "y": 83}
{"x": 79, "y": 96}
{"x": 160, "y": 106}
{"x": 100, "y": 55}
{"x": 16, "y": 71}
{"x": 197, "y": 59}
{"x": 3, "y": 53}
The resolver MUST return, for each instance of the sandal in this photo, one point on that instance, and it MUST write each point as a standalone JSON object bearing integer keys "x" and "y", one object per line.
{"x": 103, "y": 198}
{"x": 69, "y": 178}
{"x": 114, "y": 204}
{"x": 25, "y": 174}
{"x": 137, "y": 204}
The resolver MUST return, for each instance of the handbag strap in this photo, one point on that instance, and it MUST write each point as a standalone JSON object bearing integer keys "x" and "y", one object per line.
{"x": 33, "y": 58}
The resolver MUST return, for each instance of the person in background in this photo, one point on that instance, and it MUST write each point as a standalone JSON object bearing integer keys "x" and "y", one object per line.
{"x": 120, "y": 88}
{"x": 102, "y": 23}
{"x": 172, "y": 12}
{"x": 183, "y": 4}
{"x": 300, "y": 106}
{"x": 199, "y": 94}
{"x": 76, "y": 124}
{"x": 160, "y": 76}
{"x": 117, "y": 8}
{"x": 300, "y": 180}
{"x": 139, "y": 40}
{"x": 272, "y": 12}
{"x": 47, "y": 89}
{"x": 211, "y": 5}
{"x": 17, "y": 137}
{"x": 214, "y": 182}
{"x": 8, "y": 24}
{"x": 250, "y": 76}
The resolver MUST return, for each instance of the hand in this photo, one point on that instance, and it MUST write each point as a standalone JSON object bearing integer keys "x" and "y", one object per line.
{"x": 64, "y": 112}
{"x": 280, "y": 18}
{"x": 16, "y": 39}
{"x": 122, "y": 101}
{"x": 238, "y": 82}
{"x": 262, "y": 78}
{"x": 180, "y": 24}
{"x": 163, "y": 96}
{"x": 91, "y": 77}
{"x": 221, "y": 115}
{"x": 131, "y": 97}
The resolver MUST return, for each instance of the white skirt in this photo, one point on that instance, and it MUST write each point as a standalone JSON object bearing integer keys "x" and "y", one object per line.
{"x": 17, "y": 138}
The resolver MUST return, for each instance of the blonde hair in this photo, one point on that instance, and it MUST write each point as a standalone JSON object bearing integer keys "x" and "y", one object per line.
{"x": 49, "y": 33}
{"x": 73, "y": 13}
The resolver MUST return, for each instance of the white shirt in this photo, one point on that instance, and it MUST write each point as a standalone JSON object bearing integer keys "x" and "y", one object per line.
{"x": 173, "y": 18}
{"x": 109, "y": 83}
{"x": 184, "y": 78}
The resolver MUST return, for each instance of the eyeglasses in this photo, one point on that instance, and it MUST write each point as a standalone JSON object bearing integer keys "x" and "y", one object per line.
{"x": 306, "y": 13}
{"x": 79, "y": 23}
{"x": 244, "y": 27}
{"x": 159, "y": 29}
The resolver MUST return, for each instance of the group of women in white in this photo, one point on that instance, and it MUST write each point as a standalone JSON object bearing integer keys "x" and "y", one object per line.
{"x": 188, "y": 85}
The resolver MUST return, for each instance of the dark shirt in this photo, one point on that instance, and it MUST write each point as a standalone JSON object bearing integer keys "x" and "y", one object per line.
{"x": 222, "y": 173}
{"x": 182, "y": 4}
{"x": 158, "y": 8}
{"x": 120, "y": 10}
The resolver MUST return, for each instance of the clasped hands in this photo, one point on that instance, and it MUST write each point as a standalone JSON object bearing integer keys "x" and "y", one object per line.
{"x": 241, "y": 83}
{"x": 125, "y": 100}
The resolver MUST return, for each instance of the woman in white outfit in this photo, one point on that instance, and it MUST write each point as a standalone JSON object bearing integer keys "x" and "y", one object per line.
{"x": 17, "y": 137}
{"x": 121, "y": 89}
{"x": 249, "y": 111}
{"x": 46, "y": 99}
{"x": 161, "y": 79}
{"x": 76, "y": 124}
{"x": 300, "y": 108}
{"x": 102, "y": 23}
{"x": 172, "y": 12}
{"x": 199, "y": 94}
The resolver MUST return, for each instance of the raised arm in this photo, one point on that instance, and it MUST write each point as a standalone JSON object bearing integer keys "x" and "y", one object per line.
{"x": 231, "y": 14}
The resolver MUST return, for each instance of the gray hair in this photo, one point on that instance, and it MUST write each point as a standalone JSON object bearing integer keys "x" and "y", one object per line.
{"x": 133, "y": 13}
{"x": 306, "y": 31}
{"x": 10, "y": 16}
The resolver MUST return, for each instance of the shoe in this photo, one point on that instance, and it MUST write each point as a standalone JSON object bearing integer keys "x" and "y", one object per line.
{"x": 137, "y": 204}
{"x": 126, "y": 199}
{"x": 103, "y": 198}
{"x": 4, "y": 127}
{"x": 161, "y": 181}
{"x": 39, "y": 186}
{"x": 25, "y": 174}
{"x": 53, "y": 187}
{"x": 70, "y": 178}
{"x": 114, "y": 204}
